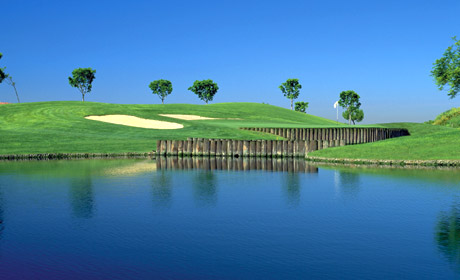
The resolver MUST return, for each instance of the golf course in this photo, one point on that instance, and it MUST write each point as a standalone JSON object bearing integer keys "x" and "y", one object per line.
{"x": 67, "y": 127}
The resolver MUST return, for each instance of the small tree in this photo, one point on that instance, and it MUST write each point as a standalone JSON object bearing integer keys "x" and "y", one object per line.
{"x": 82, "y": 79}
{"x": 446, "y": 70}
{"x": 205, "y": 89}
{"x": 2, "y": 73}
{"x": 349, "y": 100}
{"x": 355, "y": 115}
{"x": 162, "y": 88}
{"x": 9, "y": 81}
{"x": 291, "y": 89}
{"x": 301, "y": 106}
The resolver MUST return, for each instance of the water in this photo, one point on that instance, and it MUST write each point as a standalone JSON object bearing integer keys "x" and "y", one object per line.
{"x": 208, "y": 219}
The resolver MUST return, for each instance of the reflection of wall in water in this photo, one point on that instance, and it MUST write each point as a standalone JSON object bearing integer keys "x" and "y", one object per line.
{"x": 448, "y": 234}
{"x": 81, "y": 195}
{"x": 162, "y": 188}
{"x": 235, "y": 164}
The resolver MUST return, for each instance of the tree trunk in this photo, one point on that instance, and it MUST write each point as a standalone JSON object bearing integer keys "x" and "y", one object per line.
{"x": 162, "y": 101}
{"x": 17, "y": 96}
{"x": 349, "y": 116}
{"x": 292, "y": 101}
{"x": 83, "y": 98}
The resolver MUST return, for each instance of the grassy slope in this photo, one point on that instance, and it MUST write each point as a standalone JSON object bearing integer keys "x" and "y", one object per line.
{"x": 427, "y": 142}
{"x": 53, "y": 127}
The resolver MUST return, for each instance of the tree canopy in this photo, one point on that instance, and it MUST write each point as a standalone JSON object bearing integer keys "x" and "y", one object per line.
{"x": 82, "y": 78}
{"x": 291, "y": 89}
{"x": 162, "y": 88}
{"x": 356, "y": 115}
{"x": 301, "y": 106}
{"x": 349, "y": 100}
{"x": 2, "y": 73}
{"x": 205, "y": 89}
{"x": 446, "y": 70}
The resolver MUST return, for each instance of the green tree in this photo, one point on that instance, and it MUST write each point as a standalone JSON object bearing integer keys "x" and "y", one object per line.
{"x": 301, "y": 106}
{"x": 82, "y": 78}
{"x": 446, "y": 70}
{"x": 291, "y": 89}
{"x": 356, "y": 115}
{"x": 205, "y": 89}
{"x": 2, "y": 73}
{"x": 349, "y": 100}
{"x": 162, "y": 88}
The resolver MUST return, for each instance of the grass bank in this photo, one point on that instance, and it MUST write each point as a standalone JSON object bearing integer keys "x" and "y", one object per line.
{"x": 60, "y": 127}
{"x": 427, "y": 142}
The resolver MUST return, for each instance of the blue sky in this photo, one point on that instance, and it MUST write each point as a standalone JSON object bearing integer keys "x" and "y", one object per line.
{"x": 383, "y": 50}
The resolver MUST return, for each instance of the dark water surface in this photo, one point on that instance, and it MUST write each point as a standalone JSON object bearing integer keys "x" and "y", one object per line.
{"x": 208, "y": 219}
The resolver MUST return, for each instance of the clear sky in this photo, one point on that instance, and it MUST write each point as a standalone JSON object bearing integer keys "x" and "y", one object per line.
{"x": 383, "y": 50}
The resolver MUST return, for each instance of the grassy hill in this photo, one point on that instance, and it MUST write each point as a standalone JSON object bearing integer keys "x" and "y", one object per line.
{"x": 60, "y": 127}
{"x": 427, "y": 142}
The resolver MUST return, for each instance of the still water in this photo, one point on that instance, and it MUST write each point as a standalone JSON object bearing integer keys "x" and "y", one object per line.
{"x": 232, "y": 219}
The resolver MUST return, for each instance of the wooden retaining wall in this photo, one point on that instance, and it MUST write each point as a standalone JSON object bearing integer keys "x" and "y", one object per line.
{"x": 351, "y": 135}
{"x": 301, "y": 142}
{"x": 235, "y": 164}
{"x": 242, "y": 148}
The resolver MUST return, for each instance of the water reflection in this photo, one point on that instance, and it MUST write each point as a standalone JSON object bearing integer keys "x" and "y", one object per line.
{"x": 162, "y": 189}
{"x": 2, "y": 218}
{"x": 349, "y": 183}
{"x": 205, "y": 188}
{"x": 448, "y": 234}
{"x": 291, "y": 186}
{"x": 81, "y": 195}
{"x": 235, "y": 164}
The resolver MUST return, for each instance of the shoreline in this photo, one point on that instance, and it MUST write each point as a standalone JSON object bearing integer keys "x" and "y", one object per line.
{"x": 57, "y": 156}
{"x": 386, "y": 162}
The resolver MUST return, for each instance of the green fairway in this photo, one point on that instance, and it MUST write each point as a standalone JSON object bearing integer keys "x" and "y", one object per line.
{"x": 427, "y": 142}
{"x": 60, "y": 127}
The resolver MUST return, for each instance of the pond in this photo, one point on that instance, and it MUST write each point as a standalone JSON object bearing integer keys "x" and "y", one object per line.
{"x": 226, "y": 219}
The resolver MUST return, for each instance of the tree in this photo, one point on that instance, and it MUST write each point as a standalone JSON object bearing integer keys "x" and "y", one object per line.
{"x": 82, "y": 79}
{"x": 301, "y": 106}
{"x": 356, "y": 115}
{"x": 9, "y": 81}
{"x": 2, "y": 73}
{"x": 205, "y": 89}
{"x": 446, "y": 70}
{"x": 349, "y": 100}
{"x": 162, "y": 88}
{"x": 291, "y": 89}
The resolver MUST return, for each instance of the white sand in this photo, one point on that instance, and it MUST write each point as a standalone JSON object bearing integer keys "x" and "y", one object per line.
{"x": 193, "y": 117}
{"x": 135, "y": 121}
{"x": 187, "y": 117}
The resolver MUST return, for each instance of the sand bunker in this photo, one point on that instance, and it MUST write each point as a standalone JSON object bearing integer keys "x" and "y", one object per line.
{"x": 193, "y": 117}
{"x": 187, "y": 117}
{"x": 135, "y": 121}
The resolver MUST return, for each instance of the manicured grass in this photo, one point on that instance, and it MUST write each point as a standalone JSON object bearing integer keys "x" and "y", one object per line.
{"x": 60, "y": 127}
{"x": 427, "y": 142}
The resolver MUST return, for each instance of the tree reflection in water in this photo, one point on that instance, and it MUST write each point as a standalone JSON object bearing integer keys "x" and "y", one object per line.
{"x": 448, "y": 234}
{"x": 349, "y": 183}
{"x": 291, "y": 186}
{"x": 205, "y": 188}
{"x": 162, "y": 188}
{"x": 2, "y": 217}
{"x": 82, "y": 201}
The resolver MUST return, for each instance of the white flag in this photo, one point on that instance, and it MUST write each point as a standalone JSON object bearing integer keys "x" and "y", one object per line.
{"x": 336, "y": 104}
